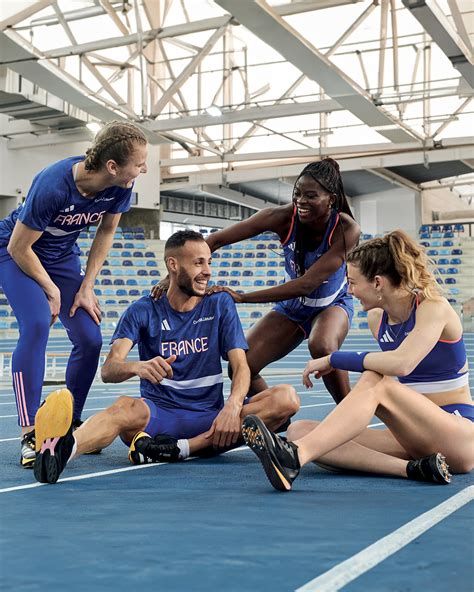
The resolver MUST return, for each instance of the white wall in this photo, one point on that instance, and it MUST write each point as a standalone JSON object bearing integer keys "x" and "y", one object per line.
{"x": 18, "y": 167}
{"x": 382, "y": 212}
{"x": 443, "y": 200}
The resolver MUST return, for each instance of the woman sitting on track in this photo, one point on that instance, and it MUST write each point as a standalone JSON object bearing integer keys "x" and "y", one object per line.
{"x": 316, "y": 230}
{"x": 429, "y": 407}
{"x": 40, "y": 269}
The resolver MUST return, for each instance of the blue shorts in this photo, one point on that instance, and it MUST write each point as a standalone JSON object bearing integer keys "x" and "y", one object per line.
{"x": 460, "y": 409}
{"x": 178, "y": 423}
{"x": 344, "y": 301}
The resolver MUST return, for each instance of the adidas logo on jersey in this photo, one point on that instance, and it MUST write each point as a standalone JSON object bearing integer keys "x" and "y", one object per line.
{"x": 165, "y": 326}
{"x": 69, "y": 209}
{"x": 386, "y": 338}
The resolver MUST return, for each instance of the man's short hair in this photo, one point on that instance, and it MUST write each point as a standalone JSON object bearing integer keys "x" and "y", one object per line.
{"x": 178, "y": 239}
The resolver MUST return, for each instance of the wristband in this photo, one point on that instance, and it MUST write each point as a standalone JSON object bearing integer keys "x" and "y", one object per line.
{"x": 352, "y": 361}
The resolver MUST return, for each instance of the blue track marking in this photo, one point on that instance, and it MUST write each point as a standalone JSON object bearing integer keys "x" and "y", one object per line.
{"x": 216, "y": 524}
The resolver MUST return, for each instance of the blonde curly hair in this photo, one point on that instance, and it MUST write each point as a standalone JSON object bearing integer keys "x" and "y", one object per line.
{"x": 401, "y": 259}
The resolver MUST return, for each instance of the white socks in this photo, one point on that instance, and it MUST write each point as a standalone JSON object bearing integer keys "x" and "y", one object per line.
{"x": 183, "y": 446}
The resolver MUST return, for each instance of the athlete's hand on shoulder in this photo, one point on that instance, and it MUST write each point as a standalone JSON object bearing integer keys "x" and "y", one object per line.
{"x": 87, "y": 299}
{"x": 54, "y": 299}
{"x": 160, "y": 288}
{"x": 318, "y": 367}
{"x": 238, "y": 298}
{"x": 225, "y": 429}
{"x": 156, "y": 369}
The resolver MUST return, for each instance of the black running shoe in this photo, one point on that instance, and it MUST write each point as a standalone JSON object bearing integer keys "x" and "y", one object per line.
{"x": 431, "y": 468}
{"x": 144, "y": 449}
{"x": 54, "y": 439}
{"x": 28, "y": 450}
{"x": 278, "y": 456}
{"x": 76, "y": 423}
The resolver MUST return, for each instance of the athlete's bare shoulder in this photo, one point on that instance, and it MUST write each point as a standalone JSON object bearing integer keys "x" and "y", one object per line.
{"x": 374, "y": 317}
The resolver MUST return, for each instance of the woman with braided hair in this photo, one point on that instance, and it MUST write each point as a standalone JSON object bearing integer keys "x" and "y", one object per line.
{"x": 40, "y": 269}
{"x": 418, "y": 385}
{"x": 316, "y": 230}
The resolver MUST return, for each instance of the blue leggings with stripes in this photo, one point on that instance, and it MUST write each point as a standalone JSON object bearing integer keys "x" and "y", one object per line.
{"x": 31, "y": 308}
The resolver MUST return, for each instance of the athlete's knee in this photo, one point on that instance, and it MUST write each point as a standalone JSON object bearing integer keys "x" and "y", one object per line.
{"x": 322, "y": 346}
{"x": 369, "y": 379}
{"x": 127, "y": 412}
{"x": 35, "y": 329}
{"x": 300, "y": 428}
{"x": 286, "y": 398}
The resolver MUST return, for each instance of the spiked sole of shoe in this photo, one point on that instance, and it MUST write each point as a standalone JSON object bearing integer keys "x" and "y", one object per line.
{"x": 443, "y": 469}
{"x": 54, "y": 417}
{"x": 255, "y": 440}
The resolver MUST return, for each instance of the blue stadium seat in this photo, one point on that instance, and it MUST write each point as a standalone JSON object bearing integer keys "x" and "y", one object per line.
{"x": 452, "y": 270}
{"x": 235, "y": 273}
{"x": 260, "y": 264}
{"x": 225, "y": 264}
{"x": 127, "y": 263}
{"x": 106, "y": 282}
{"x": 145, "y": 292}
{"x": 4, "y": 313}
{"x": 105, "y": 272}
{"x": 139, "y": 263}
{"x": 362, "y": 314}
{"x": 117, "y": 245}
{"x": 222, "y": 282}
{"x": 150, "y": 254}
{"x": 459, "y": 227}
{"x": 155, "y": 272}
{"x": 272, "y": 273}
{"x": 442, "y": 261}
{"x": 247, "y": 273}
{"x": 142, "y": 272}
{"x": 131, "y": 282}
{"x": 234, "y": 263}
{"x": 126, "y": 254}
{"x": 119, "y": 282}
{"x": 121, "y": 292}
{"x": 448, "y": 243}
{"x": 134, "y": 292}
{"x": 112, "y": 314}
{"x": 272, "y": 263}
{"x": 450, "y": 280}
{"x": 258, "y": 283}
{"x": 271, "y": 283}
{"x": 260, "y": 255}
{"x": 246, "y": 283}
{"x": 448, "y": 235}
{"x": 261, "y": 246}
{"x": 124, "y": 301}
{"x": 256, "y": 314}
{"x": 222, "y": 273}
{"x": 363, "y": 325}
{"x": 456, "y": 252}
{"x": 115, "y": 263}
{"x": 234, "y": 283}
{"x": 137, "y": 254}
{"x": 425, "y": 235}
{"x": 249, "y": 255}
{"x": 3, "y": 301}
{"x": 4, "y": 325}
{"x": 432, "y": 253}
{"x": 151, "y": 263}
{"x": 455, "y": 261}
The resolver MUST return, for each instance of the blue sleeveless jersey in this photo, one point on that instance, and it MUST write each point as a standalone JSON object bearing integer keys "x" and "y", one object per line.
{"x": 439, "y": 371}
{"x": 200, "y": 338}
{"x": 334, "y": 288}
{"x": 55, "y": 207}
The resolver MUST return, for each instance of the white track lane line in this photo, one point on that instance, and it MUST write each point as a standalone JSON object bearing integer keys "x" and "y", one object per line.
{"x": 104, "y": 473}
{"x": 350, "y": 569}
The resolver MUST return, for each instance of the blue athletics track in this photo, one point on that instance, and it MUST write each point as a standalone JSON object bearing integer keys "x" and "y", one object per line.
{"x": 206, "y": 525}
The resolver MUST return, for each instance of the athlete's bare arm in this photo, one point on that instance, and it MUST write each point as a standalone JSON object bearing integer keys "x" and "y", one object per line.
{"x": 117, "y": 369}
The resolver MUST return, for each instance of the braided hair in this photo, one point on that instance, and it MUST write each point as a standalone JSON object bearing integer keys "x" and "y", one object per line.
{"x": 325, "y": 172}
{"x": 115, "y": 141}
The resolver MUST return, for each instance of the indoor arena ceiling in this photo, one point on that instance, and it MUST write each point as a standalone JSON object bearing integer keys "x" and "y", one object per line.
{"x": 241, "y": 93}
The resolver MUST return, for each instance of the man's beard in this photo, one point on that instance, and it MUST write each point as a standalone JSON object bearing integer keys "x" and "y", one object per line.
{"x": 185, "y": 284}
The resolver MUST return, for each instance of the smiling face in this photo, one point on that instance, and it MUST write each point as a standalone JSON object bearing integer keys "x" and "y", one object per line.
{"x": 312, "y": 201}
{"x": 191, "y": 266}
{"x": 368, "y": 292}
{"x": 125, "y": 175}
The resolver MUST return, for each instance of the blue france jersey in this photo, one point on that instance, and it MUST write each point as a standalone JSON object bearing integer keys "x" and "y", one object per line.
{"x": 199, "y": 338}
{"x": 326, "y": 293}
{"x": 55, "y": 207}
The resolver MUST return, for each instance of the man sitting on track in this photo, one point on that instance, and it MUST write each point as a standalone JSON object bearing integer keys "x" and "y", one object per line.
{"x": 181, "y": 339}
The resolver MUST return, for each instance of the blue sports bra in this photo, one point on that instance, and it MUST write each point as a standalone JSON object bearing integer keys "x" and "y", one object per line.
{"x": 440, "y": 370}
